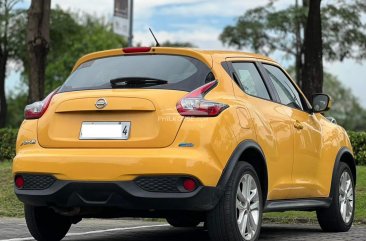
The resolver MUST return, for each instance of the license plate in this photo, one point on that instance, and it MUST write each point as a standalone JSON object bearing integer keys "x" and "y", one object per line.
{"x": 105, "y": 130}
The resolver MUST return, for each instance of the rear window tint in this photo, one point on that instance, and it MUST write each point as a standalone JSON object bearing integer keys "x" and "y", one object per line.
{"x": 180, "y": 72}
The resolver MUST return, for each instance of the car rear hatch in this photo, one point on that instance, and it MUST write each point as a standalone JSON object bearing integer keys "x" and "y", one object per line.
{"x": 126, "y": 101}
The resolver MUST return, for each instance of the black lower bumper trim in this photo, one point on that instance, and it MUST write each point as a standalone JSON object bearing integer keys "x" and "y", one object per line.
{"x": 124, "y": 195}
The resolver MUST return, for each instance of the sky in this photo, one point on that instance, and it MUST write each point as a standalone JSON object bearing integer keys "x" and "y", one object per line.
{"x": 199, "y": 22}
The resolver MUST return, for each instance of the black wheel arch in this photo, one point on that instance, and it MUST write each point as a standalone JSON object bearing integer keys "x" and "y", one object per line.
{"x": 346, "y": 156}
{"x": 243, "y": 152}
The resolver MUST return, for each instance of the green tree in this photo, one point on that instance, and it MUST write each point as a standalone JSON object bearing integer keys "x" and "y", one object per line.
{"x": 266, "y": 30}
{"x": 72, "y": 35}
{"x": 16, "y": 103}
{"x": 7, "y": 14}
{"x": 178, "y": 44}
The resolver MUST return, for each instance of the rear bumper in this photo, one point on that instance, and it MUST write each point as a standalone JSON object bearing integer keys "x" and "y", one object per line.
{"x": 124, "y": 195}
{"x": 119, "y": 165}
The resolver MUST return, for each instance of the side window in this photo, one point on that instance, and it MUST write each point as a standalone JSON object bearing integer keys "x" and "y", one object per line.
{"x": 250, "y": 80}
{"x": 287, "y": 92}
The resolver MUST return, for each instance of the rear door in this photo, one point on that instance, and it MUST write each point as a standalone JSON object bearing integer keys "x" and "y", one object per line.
{"x": 307, "y": 136}
{"x": 138, "y": 110}
{"x": 272, "y": 124}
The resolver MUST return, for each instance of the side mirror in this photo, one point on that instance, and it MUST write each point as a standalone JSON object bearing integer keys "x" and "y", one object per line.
{"x": 321, "y": 103}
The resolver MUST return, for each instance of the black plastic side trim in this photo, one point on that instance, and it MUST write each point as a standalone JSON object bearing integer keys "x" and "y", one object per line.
{"x": 226, "y": 67}
{"x": 297, "y": 205}
{"x": 342, "y": 151}
{"x": 234, "y": 158}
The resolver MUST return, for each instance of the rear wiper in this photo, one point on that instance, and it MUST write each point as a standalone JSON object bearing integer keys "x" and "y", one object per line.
{"x": 136, "y": 82}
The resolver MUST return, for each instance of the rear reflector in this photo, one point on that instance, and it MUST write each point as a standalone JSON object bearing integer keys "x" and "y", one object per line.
{"x": 194, "y": 103}
{"x": 37, "y": 109}
{"x": 19, "y": 182}
{"x": 136, "y": 50}
{"x": 189, "y": 185}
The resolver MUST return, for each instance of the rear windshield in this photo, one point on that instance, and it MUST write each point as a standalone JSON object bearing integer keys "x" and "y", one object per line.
{"x": 177, "y": 72}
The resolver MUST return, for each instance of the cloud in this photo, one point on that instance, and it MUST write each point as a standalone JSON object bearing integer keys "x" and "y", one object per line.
{"x": 207, "y": 39}
{"x": 96, "y": 7}
{"x": 219, "y": 8}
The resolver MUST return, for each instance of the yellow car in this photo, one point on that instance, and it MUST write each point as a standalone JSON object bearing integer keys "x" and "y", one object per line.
{"x": 183, "y": 134}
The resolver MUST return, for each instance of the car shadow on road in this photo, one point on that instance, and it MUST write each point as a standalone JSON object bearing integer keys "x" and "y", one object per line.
{"x": 200, "y": 234}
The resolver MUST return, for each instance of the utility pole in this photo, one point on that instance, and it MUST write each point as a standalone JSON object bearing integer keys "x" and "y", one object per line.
{"x": 123, "y": 19}
{"x": 130, "y": 34}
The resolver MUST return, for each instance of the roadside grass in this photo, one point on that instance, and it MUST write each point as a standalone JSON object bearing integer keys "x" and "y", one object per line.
{"x": 310, "y": 217}
{"x": 10, "y": 206}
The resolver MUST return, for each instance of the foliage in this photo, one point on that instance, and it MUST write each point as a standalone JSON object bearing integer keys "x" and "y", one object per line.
{"x": 7, "y": 33}
{"x": 10, "y": 205}
{"x": 16, "y": 104}
{"x": 178, "y": 44}
{"x": 358, "y": 140}
{"x": 346, "y": 108}
{"x": 7, "y": 143}
{"x": 266, "y": 30}
{"x": 72, "y": 36}
{"x": 343, "y": 30}
{"x": 9, "y": 27}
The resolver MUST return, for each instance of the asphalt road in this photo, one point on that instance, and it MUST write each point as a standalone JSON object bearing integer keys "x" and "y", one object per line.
{"x": 136, "y": 230}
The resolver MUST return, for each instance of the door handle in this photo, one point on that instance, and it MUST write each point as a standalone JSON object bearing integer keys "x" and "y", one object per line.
{"x": 298, "y": 125}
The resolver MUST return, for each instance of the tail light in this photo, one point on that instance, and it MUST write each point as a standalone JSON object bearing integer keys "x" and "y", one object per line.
{"x": 37, "y": 109}
{"x": 194, "y": 103}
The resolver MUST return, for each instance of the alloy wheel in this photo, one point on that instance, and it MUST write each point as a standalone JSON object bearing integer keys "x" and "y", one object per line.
{"x": 346, "y": 197}
{"x": 247, "y": 207}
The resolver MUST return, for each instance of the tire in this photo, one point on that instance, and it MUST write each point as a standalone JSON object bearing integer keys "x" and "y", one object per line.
{"x": 46, "y": 225}
{"x": 183, "y": 221}
{"x": 331, "y": 219}
{"x": 222, "y": 221}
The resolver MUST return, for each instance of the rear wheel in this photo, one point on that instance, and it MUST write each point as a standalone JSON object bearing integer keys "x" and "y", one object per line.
{"x": 238, "y": 215}
{"x": 339, "y": 216}
{"x": 46, "y": 225}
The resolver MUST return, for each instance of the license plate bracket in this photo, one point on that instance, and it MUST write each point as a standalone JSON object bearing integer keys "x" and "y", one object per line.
{"x": 106, "y": 130}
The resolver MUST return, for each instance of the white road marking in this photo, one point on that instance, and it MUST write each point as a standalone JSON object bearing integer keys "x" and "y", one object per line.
{"x": 93, "y": 232}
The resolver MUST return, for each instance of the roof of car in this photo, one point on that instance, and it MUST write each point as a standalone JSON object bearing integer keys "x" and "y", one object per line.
{"x": 233, "y": 54}
{"x": 204, "y": 55}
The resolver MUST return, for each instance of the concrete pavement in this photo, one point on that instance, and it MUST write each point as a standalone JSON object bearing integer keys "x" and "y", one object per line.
{"x": 12, "y": 229}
